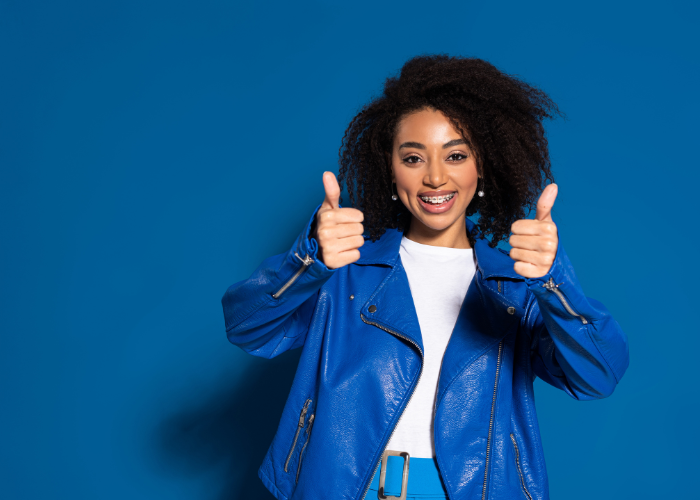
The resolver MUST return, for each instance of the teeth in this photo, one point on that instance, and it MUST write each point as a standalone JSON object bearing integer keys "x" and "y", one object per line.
{"x": 437, "y": 199}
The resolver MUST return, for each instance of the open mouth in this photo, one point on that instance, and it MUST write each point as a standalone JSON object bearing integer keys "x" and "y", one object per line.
{"x": 437, "y": 200}
{"x": 437, "y": 204}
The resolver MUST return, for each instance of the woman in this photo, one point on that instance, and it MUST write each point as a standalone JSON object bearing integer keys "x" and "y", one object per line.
{"x": 420, "y": 350}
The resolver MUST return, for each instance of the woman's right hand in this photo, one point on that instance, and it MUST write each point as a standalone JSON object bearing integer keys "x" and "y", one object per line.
{"x": 338, "y": 230}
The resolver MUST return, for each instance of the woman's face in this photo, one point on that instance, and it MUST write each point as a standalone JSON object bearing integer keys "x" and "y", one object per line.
{"x": 430, "y": 159}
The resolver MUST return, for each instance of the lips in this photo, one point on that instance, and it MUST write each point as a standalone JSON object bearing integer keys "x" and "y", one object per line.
{"x": 437, "y": 209}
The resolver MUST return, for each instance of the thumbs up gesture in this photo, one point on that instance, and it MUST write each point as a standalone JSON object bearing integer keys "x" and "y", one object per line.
{"x": 535, "y": 241}
{"x": 338, "y": 230}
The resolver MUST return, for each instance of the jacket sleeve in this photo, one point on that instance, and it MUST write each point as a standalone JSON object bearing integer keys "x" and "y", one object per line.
{"x": 576, "y": 345}
{"x": 270, "y": 312}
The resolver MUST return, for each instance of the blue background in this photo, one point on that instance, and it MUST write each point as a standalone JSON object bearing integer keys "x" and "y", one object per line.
{"x": 153, "y": 153}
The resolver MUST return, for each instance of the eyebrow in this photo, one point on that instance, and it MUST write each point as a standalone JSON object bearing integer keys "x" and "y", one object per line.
{"x": 418, "y": 145}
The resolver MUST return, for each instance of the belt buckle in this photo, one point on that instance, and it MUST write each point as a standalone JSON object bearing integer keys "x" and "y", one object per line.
{"x": 382, "y": 475}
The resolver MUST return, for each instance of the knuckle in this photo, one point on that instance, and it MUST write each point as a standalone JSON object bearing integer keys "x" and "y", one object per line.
{"x": 332, "y": 245}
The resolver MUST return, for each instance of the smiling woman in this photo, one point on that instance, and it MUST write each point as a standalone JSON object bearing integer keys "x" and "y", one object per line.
{"x": 498, "y": 117}
{"x": 421, "y": 341}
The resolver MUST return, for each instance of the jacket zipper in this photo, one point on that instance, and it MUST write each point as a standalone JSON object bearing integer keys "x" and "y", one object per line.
{"x": 299, "y": 428}
{"x": 517, "y": 463}
{"x": 555, "y": 288}
{"x": 308, "y": 436}
{"x": 499, "y": 286}
{"x": 307, "y": 262}
{"x": 420, "y": 374}
{"x": 493, "y": 406}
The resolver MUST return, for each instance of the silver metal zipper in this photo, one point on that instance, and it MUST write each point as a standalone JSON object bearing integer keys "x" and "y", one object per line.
{"x": 555, "y": 288}
{"x": 499, "y": 286}
{"x": 493, "y": 407}
{"x": 302, "y": 417}
{"x": 517, "y": 463}
{"x": 308, "y": 436}
{"x": 307, "y": 262}
{"x": 420, "y": 374}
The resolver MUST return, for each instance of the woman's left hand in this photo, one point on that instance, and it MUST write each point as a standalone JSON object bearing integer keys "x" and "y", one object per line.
{"x": 535, "y": 241}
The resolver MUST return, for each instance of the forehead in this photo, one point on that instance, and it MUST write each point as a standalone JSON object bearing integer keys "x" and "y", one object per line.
{"x": 429, "y": 124}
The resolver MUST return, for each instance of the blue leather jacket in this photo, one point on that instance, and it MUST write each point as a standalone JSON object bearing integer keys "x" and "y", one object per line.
{"x": 362, "y": 359}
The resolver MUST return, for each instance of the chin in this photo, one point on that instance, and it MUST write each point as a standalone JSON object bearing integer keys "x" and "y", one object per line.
{"x": 444, "y": 224}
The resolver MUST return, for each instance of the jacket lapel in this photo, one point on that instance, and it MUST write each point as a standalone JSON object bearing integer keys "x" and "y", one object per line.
{"x": 483, "y": 321}
{"x": 391, "y": 306}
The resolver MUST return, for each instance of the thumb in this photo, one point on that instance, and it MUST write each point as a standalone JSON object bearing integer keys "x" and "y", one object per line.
{"x": 330, "y": 184}
{"x": 545, "y": 203}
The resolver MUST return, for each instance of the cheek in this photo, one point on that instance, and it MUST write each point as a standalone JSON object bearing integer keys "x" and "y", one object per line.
{"x": 470, "y": 177}
{"x": 405, "y": 182}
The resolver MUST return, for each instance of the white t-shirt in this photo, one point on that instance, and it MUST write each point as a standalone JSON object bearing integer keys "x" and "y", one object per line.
{"x": 438, "y": 279}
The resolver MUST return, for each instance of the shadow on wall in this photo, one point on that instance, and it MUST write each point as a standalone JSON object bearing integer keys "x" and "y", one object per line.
{"x": 232, "y": 431}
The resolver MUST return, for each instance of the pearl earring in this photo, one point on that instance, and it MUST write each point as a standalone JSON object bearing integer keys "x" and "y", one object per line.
{"x": 481, "y": 191}
{"x": 393, "y": 196}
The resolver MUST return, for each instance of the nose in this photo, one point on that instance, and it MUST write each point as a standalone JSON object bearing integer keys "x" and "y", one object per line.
{"x": 436, "y": 174}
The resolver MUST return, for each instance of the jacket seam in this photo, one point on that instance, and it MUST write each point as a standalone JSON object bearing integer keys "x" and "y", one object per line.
{"x": 595, "y": 343}
{"x": 532, "y": 419}
{"x": 471, "y": 362}
{"x": 244, "y": 317}
{"x": 272, "y": 484}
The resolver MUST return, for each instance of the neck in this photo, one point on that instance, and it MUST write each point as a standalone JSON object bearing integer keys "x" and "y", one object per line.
{"x": 454, "y": 236}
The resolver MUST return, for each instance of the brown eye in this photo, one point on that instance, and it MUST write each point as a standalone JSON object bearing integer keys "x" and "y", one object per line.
{"x": 461, "y": 156}
{"x": 409, "y": 157}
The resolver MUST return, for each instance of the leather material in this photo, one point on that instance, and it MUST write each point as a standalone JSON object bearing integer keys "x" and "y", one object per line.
{"x": 362, "y": 357}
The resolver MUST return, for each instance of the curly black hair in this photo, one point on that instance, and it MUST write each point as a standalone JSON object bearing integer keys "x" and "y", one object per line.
{"x": 499, "y": 116}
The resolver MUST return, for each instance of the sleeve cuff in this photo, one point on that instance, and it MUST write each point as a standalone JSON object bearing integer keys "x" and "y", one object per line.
{"x": 562, "y": 274}
{"x": 307, "y": 245}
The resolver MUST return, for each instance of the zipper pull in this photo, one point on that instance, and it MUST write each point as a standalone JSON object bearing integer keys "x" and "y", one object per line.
{"x": 307, "y": 260}
{"x": 549, "y": 285}
{"x": 302, "y": 417}
{"x": 311, "y": 422}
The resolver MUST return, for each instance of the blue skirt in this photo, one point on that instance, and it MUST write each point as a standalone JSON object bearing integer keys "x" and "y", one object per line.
{"x": 424, "y": 481}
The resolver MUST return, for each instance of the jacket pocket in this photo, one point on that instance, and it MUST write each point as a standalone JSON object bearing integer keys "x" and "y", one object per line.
{"x": 303, "y": 448}
{"x": 517, "y": 464}
{"x": 300, "y": 426}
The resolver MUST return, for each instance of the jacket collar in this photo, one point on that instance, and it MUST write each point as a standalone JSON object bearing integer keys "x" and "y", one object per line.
{"x": 493, "y": 262}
